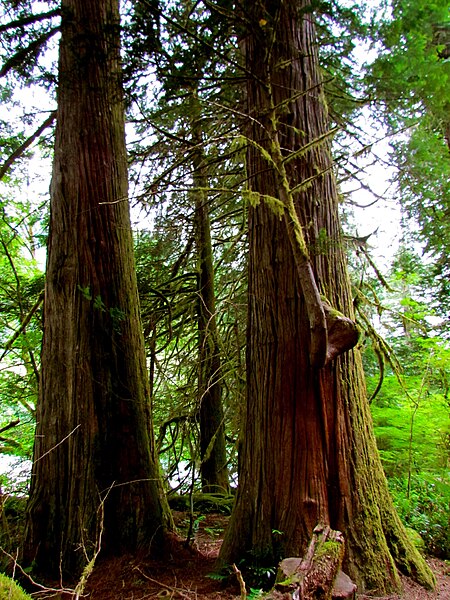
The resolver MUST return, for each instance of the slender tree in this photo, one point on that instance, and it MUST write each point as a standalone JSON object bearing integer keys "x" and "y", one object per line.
{"x": 95, "y": 478}
{"x": 212, "y": 424}
{"x": 308, "y": 450}
{"x": 191, "y": 74}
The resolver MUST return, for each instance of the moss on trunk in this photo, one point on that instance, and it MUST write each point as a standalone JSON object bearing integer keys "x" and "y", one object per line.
{"x": 308, "y": 450}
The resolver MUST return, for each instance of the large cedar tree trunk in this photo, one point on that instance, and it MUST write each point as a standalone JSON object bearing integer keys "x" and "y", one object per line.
{"x": 95, "y": 469}
{"x": 308, "y": 451}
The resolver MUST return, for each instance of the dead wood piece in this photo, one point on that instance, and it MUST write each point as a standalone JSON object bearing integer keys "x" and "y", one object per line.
{"x": 172, "y": 590}
{"x": 313, "y": 577}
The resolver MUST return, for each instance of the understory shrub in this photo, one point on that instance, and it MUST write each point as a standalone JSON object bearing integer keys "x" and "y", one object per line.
{"x": 426, "y": 510}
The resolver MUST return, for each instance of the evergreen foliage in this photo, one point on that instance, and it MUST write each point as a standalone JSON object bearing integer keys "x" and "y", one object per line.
{"x": 185, "y": 54}
{"x": 410, "y": 411}
{"x": 409, "y": 82}
{"x": 425, "y": 510}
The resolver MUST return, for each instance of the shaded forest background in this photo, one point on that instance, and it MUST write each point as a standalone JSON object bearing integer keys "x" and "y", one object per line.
{"x": 386, "y": 74}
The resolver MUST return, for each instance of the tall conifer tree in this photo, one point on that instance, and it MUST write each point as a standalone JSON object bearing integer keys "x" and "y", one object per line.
{"x": 95, "y": 477}
{"x": 308, "y": 451}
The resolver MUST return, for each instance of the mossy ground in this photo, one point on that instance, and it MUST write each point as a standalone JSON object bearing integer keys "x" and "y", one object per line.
{"x": 10, "y": 590}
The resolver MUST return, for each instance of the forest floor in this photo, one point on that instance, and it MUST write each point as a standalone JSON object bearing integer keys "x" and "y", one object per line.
{"x": 187, "y": 574}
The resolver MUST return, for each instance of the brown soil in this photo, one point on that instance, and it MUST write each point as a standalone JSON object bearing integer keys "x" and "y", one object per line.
{"x": 186, "y": 574}
{"x": 412, "y": 591}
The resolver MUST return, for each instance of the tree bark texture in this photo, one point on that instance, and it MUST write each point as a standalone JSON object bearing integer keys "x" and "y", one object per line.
{"x": 95, "y": 473}
{"x": 213, "y": 456}
{"x": 308, "y": 450}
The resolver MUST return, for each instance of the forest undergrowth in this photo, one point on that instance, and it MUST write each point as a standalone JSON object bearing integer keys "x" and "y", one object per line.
{"x": 188, "y": 573}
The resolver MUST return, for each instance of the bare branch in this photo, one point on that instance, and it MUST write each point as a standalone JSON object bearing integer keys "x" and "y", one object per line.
{"x": 58, "y": 444}
{"x": 168, "y": 588}
{"x": 23, "y": 325}
{"x": 10, "y": 425}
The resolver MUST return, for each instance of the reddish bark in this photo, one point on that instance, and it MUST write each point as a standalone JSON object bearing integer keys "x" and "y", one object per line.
{"x": 94, "y": 460}
{"x": 308, "y": 450}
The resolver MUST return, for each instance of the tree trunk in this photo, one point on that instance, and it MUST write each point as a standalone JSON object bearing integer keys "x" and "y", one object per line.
{"x": 308, "y": 449}
{"x": 213, "y": 456}
{"x": 95, "y": 477}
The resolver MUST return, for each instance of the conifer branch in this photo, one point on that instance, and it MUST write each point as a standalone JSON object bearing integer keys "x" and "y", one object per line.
{"x": 205, "y": 44}
{"x": 313, "y": 144}
{"x": 29, "y": 19}
{"x": 26, "y": 144}
{"x": 22, "y": 55}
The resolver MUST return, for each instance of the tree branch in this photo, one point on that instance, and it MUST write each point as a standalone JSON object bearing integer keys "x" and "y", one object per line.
{"x": 29, "y": 19}
{"x": 23, "y": 326}
{"x": 24, "y": 53}
{"x": 10, "y": 425}
{"x": 26, "y": 144}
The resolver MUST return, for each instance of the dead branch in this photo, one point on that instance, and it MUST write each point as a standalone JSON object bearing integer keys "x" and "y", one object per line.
{"x": 169, "y": 588}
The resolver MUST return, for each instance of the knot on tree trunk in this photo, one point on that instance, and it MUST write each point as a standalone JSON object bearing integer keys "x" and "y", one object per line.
{"x": 318, "y": 574}
{"x": 342, "y": 332}
{"x": 332, "y": 333}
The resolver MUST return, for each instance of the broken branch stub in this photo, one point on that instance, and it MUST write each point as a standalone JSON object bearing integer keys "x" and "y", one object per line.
{"x": 342, "y": 332}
